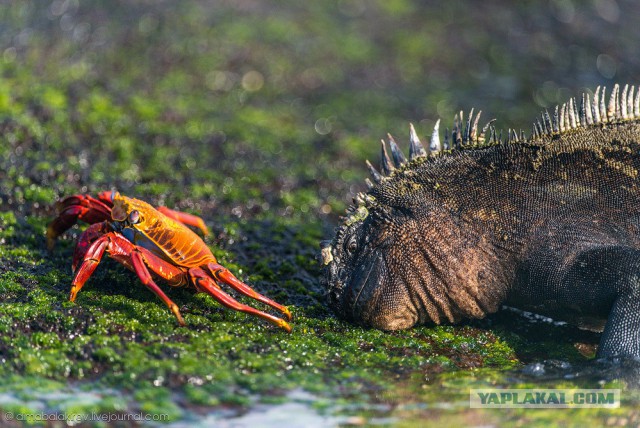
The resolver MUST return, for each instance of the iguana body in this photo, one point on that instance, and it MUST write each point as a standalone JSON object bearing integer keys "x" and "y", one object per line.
{"x": 550, "y": 224}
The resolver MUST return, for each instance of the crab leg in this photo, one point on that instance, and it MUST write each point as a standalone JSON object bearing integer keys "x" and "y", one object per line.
{"x": 136, "y": 259}
{"x": 145, "y": 277}
{"x": 89, "y": 264}
{"x": 88, "y": 237}
{"x": 222, "y": 274}
{"x": 185, "y": 218}
{"x": 206, "y": 284}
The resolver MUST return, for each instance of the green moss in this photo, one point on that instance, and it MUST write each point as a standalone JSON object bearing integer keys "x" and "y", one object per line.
{"x": 260, "y": 123}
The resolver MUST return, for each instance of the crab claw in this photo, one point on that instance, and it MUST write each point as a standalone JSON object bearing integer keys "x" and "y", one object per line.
{"x": 78, "y": 207}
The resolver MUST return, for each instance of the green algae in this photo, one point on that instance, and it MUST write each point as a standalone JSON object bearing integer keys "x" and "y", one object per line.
{"x": 260, "y": 122}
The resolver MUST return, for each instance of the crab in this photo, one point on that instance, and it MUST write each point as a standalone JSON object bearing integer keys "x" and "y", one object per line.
{"x": 153, "y": 243}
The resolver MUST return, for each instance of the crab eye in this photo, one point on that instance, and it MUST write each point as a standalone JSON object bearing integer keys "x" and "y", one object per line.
{"x": 352, "y": 245}
{"x": 134, "y": 217}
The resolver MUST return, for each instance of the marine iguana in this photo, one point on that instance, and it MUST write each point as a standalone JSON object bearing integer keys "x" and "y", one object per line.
{"x": 549, "y": 223}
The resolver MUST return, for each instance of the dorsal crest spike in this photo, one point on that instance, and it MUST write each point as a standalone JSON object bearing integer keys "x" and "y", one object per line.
{"x": 474, "y": 128}
{"x": 547, "y": 121}
{"x": 415, "y": 145}
{"x": 555, "y": 123}
{"x": 623, "y": 103}
{"x": 567, "y": 120}
{"x": 494, "y": 137}
{"x": 456, "y": 133}
{"x": 435, "y": 144}
{"x": 538, "y": 127}
{"x": 612, "y": 108}
{"x": 488, "y": 125}
{"x": 595, "y": 107}
{"x": 572, "y": 114}
{"x": 588, "y": 110}
{"x": 398, "y": 157}
{"x": 603, "y": 108}
{"x": 369, "y": 183}
{"x": 446, "y": 145}
{"x": 377, "y": 177}
{"x": 385, "y": 163}
{"x": 467, "y": 129}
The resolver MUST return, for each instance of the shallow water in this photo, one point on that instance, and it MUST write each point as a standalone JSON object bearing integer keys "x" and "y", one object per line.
{"x": 445, "y": 399}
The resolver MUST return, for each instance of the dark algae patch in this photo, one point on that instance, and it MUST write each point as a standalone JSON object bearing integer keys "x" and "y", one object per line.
{"x": 258, "y": 116}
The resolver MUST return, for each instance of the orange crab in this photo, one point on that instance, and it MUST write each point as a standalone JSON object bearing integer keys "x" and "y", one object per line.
{"x": 152, "y": 242}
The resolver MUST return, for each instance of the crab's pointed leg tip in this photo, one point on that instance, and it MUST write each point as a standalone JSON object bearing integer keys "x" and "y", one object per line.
{"x": 176, "y": 311}
{"x": 287, "y": 313}
{"x": 51, "y": 236}
{"x": 204, "y": 228}
{"x": 285, "y": 326}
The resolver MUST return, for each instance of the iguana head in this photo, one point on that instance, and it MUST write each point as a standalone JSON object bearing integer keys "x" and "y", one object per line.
{"x": 359, "y": 262}
{"x": 357, "y": 270}
{"x": 375, "y": 270}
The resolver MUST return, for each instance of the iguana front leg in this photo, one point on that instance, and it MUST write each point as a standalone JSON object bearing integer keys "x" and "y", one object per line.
{"x": 610, "y": 277}
{"x": 621, "y": 336}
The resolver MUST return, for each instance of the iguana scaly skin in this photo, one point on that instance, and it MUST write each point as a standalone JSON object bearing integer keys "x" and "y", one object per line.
{"x": 549, "y": 223}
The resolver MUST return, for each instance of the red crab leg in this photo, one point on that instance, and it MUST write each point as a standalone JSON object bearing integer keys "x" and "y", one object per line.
{"x": 120, "y": 249}
{"x": 145, "y": 277}
{"x": 185, "y": 218}
{"x": 78, "y": 207}
{"x": 88, "y": 237}
{"x": 204, "y": 283}
{"x": 89, "y": 264}
{"x": 222, "y": 274}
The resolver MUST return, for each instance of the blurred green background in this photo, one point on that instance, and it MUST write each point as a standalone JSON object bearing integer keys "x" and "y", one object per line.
{"x": 258, "y": 116}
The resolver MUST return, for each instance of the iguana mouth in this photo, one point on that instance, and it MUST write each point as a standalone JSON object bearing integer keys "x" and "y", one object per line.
{"x": 359, "y": 292}
{"x": 364, "y": 284}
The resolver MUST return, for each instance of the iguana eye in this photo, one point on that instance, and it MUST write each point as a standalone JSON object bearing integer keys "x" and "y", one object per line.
{"x": 134, "y": 217}
{"x": 352, "y": 245}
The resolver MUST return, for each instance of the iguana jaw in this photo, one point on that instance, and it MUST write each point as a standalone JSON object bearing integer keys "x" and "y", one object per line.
{"x": 357, "y": 288}
{"x": 350, "y": 288}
